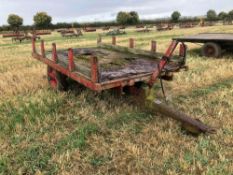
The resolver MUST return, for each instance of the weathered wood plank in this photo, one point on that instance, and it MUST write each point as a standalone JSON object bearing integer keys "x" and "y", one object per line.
{"x": 136, "y": 52}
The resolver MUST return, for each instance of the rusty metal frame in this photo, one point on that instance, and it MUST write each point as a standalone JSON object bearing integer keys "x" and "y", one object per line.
{"x": 163, "y": 62}
{"x": 92, "y": 83}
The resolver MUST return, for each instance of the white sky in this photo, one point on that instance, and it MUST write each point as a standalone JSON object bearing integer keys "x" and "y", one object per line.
{"x": 105, "y": 10}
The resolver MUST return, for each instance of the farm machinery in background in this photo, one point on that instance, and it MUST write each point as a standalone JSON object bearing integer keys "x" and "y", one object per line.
{"x": 26, "y": 35}
{"x": 164, "y": 27}
{"x": 214, "y": 44}
{"x": 106, "y": 28}
{"x": 116, "y": 32}
{"x": 21, "y": 36}
{"x": 144, "y": 29}
{"x": 89, "y": 29}
{"x": 71, "y": 33}
{"x": 124, "y": 69}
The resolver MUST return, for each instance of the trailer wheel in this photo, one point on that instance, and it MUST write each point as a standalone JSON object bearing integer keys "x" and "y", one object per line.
{"x": 211, "y": 50}
{"x": 57, "y": 80}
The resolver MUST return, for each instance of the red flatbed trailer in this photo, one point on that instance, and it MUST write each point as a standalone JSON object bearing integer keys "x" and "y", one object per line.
{"x": 93, "y": 82}
{"x": 133, "y": 77}
{"x": 214, "y": 43}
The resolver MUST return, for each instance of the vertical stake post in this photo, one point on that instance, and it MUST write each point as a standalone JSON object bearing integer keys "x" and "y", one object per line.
{"x": 99, "y": 40}
{"x": 94, "y": 69}
{"x": 71, "y": 65}
{"x": 54, "y": 53}
{"x": 153, "y": 46}
{"x": 33, "y": 45}
{"x": 114, "y": 40}
{"x": 131, "y": 43}
{"x": 42, "y": 48}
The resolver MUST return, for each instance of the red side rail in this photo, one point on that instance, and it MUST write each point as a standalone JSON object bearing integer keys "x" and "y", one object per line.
{"x": 92, "y": 82}
{"x": 66, "y": 71}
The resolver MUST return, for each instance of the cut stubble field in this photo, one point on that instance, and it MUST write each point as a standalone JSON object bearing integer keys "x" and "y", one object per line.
{"x": 82, "y": 132}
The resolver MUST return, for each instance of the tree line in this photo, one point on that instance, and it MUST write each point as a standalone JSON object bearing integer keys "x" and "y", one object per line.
{"x": 43, "y": 21}
{"x": 211, "y": 15}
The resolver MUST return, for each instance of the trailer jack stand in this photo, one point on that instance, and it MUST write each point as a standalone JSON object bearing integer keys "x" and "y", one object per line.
{"x": 189, "y": 124}
{"x": 149, "y": 103}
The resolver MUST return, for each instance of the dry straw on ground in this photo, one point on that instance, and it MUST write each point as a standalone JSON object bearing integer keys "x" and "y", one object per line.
{"x": 80, "y": 132}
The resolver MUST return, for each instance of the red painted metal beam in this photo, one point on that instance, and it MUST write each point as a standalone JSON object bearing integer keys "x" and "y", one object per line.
{"x": 33, "y": 45}
{"x": 163, "y": 62}
{"x": 73, "y": 75}
{"x": 128, "y": 81}
{"x": 54, "y": 53}
{"x": 94, "y": 70}
{"x": 42, "y": 48}
{"x": 71, "y": 65}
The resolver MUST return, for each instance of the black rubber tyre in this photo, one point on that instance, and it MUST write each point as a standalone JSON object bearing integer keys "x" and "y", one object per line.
{"x": 211, "y": 50}
{"x": 57, "y": 80}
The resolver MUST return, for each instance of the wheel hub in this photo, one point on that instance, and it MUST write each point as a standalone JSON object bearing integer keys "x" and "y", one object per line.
{"x": 209, "y": 51}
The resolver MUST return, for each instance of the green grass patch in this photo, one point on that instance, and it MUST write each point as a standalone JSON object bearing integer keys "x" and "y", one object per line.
{"x": 24, "y": 111}
{"x": 200, "y": 92}
{"x": 125, "y": 118}
{"x": 98, "y": 160}
{"x": 76, "y": 139}
{"x": 29, "y": 160}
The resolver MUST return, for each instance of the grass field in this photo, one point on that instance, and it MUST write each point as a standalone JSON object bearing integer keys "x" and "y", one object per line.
{"x": 81, "y": 132}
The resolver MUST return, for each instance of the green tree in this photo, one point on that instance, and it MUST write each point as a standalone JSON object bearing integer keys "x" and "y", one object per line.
{"x": 230, "y": 14}
{"x": 222, "y": 15}
{"x": 134, "y": 17}
{"x": 175, "y": 16}
{"x": 211, "y": 15}
{"x": 42, "y": 20}
{"x": 124, "y": 18}
{"x": 15, "y": 21}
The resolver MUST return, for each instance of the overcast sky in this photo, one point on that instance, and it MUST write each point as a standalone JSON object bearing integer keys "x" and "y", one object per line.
{"x": 105, "y": 10}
